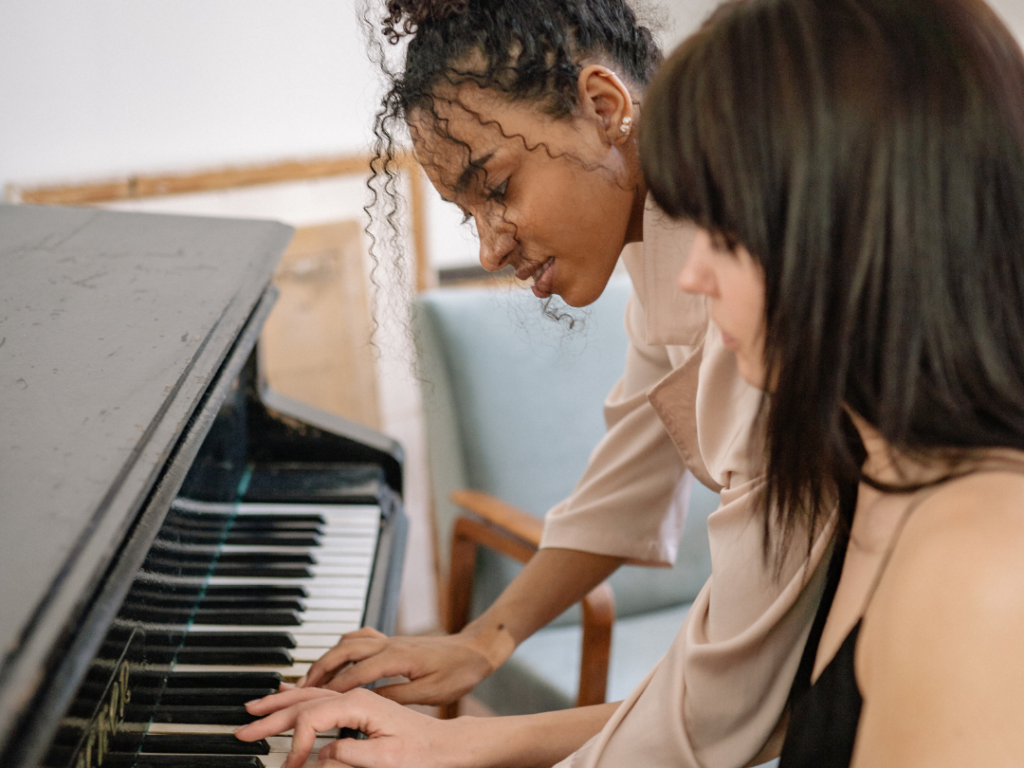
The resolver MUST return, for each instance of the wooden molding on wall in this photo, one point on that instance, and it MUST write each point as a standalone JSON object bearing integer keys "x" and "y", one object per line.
{"x": 140, "y": 186}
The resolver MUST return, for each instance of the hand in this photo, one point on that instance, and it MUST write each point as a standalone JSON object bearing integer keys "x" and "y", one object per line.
{"x": 396, "y": 736}
{"x": 440, "y": 669}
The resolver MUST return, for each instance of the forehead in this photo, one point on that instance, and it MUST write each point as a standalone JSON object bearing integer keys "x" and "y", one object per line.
{"x": 464, "y": 124}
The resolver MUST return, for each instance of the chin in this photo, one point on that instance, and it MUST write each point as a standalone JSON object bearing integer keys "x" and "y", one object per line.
{"x": 750, "y": 373}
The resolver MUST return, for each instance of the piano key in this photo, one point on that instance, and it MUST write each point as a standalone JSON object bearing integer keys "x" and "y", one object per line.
{"x": 201, "y": 761}
{"x": 202, "y": 743}
{"x": 157, "y": 654}
{"x": 217, "y": 714}
{"x": 288, "y": 674}
{"x": 229, "y": 679}
{"x": 198, "y": 696}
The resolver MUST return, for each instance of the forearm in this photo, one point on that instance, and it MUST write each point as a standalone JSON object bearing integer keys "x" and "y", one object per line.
{"x": 551, "y": 582}
{"x": 527, "y": 741}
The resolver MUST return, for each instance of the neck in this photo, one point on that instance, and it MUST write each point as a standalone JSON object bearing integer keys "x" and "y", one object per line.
{"x": 635, "y": 229}
{"x": 888, "y": 465}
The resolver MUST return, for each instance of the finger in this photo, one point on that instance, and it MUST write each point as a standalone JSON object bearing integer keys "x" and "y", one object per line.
{"x": 303, "y": 739}
{"x": 371, "y": 669}
{"x": 319, "y": 717}
{"x": 355, "y": 649}
{"x": 365, "y": 632}
{"x": 273, "y": 724}
{"x": 277, "y": 701}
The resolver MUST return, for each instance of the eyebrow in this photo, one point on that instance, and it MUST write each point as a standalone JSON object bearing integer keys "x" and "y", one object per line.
{"x": 471, "y": 170}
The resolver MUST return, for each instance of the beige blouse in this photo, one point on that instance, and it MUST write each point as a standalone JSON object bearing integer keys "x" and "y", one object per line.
{"x": 717, "y": 695}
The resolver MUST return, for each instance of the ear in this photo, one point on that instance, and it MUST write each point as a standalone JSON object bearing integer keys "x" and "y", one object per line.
{"x": 605, "y": 99}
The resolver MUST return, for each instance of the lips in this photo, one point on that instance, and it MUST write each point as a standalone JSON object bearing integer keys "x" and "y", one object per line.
{"x": 543, "y": 278}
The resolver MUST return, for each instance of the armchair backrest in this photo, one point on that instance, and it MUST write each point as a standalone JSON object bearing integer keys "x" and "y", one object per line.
{"x": 513, "y": 404}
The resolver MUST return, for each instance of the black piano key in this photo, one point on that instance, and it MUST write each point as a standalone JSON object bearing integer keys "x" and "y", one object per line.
{"x": 245, "y": 538}
{"x": 262, "y": 570}
{"x": 247, "y": 656}
{"x": 269, "y": 617}
{"x": 200, "y": 555}
{"x": 242, "y": 518}
{"x": 196, "y": 761}
{"x": 178, "y": 601}
{"x": 164, "y": 654}
{"x": 198, "y": 696}
{"x": 176, "y": 568}
{"x": 197, "y": 588}
{"x": 202, "y": 743}
{"x": 255, "y": 592}
{"x": 239, "y": 640}
{"x": 196, "y": 715}
{"x": 223, "y": 680}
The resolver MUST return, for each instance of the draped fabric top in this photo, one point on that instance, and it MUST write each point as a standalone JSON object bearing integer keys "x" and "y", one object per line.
{"x": 717, "y": 696}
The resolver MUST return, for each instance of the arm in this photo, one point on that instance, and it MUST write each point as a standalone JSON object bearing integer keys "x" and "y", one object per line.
{"x": 397, "y": 736}
{"x": 617, "y": 511}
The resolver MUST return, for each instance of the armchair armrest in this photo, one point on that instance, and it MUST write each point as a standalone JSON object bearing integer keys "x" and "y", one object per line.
{"x": 516, "y": 534}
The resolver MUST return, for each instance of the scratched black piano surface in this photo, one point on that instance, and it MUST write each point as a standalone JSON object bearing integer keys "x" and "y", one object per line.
{"x": 175, "y": 539}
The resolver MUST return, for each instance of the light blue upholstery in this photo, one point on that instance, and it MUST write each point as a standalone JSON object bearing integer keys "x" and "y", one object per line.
{"x": 513, "y": 403}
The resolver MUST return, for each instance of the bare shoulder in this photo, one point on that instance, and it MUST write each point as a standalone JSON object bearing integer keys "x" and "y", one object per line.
{"x": 963, "y": 548}
{"x": 939, "y": 660}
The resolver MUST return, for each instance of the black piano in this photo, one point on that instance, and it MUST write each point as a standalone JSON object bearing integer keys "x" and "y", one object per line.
{"x": 175, "y": 538}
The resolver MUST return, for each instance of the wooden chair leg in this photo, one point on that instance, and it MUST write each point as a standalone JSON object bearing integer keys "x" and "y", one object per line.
{"x": 598, "y": 619}
{"x": 460, "y": 592}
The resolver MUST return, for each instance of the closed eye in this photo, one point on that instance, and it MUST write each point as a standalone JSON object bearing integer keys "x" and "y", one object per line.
{"x": 498, "y": 193}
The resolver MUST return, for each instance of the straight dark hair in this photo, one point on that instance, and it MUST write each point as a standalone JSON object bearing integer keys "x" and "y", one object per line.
{"x": 870, "y": 155}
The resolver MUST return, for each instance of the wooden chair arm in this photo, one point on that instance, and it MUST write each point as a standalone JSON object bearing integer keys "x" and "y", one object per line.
{"x": 516, "y": 534}
{"x": 511, "y": 519}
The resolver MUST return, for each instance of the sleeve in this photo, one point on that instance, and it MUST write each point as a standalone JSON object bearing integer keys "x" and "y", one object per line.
{"x": 623, "y": 504}
{"x": 719, "y": 692}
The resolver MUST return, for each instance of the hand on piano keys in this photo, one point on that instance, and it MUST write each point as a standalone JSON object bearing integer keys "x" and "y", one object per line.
{"x": 438, "y": 670}
{"x": 396, "y": 735}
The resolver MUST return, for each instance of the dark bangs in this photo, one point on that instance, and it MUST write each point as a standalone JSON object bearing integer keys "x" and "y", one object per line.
{"x": 870, "y": 155}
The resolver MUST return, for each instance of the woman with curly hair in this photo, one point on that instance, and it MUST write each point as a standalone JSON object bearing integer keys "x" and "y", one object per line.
{"x": 855, "y": 173}
{"x": 526, "y": 114}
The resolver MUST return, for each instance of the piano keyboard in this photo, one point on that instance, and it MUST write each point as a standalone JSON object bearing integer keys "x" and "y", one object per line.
{"x": 235, "y": 599}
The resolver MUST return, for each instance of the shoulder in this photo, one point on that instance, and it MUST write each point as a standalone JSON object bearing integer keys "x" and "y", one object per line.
{"x": 950, "y": 604}
{"x": 941, "y": 639}
{"x": 963, "y": 545}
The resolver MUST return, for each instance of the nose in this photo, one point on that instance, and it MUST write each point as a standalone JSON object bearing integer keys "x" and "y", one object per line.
{"x": 496, "y": 245}
{"x": 698, "y": 274}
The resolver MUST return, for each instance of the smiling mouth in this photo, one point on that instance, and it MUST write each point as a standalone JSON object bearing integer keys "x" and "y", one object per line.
{"x": 542, "y": 277}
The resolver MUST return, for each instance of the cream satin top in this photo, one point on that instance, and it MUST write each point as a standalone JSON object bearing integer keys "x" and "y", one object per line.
{"x": 717, "y": 695}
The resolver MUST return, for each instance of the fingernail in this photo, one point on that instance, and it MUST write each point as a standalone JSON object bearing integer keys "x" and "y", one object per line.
{"x": 300, "y": 682}
{"x": 254, "y": 701}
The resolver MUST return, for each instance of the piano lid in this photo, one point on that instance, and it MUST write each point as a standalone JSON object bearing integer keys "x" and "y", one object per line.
{"x": 112, "y": 326}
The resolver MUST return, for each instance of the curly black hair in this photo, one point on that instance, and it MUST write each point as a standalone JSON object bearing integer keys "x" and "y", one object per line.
{"x": 526, "y": 50}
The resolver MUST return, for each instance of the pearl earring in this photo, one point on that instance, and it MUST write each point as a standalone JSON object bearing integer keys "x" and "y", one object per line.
{"x": 627, "y": 123}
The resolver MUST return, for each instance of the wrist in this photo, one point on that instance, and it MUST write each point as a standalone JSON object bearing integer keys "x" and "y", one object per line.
{"x": 492, "y": 640}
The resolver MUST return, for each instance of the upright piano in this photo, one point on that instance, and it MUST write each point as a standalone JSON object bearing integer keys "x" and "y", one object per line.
{"x": 175, "y": 538}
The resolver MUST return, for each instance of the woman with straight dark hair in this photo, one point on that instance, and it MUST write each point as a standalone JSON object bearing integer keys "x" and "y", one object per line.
{"x": 855, "y": 173}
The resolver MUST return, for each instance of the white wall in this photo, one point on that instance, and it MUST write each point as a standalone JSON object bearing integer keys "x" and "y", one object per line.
{"x": 109, "y": 87}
